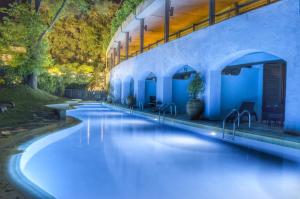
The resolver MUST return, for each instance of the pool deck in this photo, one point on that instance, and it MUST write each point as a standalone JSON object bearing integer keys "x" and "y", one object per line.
{"x": 260, "y": 133}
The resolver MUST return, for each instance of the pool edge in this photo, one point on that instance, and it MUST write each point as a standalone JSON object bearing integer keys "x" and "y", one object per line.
{"x": 257, "y": 142}
{"x": 11, "y": 163}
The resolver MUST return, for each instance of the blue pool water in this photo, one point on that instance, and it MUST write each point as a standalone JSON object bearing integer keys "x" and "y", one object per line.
{"x": 114, "y": 155}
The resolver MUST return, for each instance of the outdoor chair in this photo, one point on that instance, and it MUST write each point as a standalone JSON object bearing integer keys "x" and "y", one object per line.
{"x": 3, "y": 108}
{"x": 249, "y": 106}
{"x": 5, "y": 105}
{"x": 8, "y": 104}
{"x": 152, "y": 101}
{"x": 158, "y": 107}
{"x": 273, "y": 114}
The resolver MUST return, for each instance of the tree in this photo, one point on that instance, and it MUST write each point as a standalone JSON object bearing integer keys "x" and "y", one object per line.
{"x": 26, "y": 26}
{"x": 81, "y": 39}
{"x": 37, "y": 37}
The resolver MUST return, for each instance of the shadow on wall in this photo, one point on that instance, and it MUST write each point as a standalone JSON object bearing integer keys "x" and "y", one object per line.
{"x": 180, "y": 83}
{"x": 150, "y": 87}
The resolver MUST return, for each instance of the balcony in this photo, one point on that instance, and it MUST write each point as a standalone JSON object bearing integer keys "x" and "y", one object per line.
{"x": 156, "y": 22}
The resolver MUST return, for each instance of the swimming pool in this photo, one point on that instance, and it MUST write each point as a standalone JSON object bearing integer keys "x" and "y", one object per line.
{"x": 112, "y": 154}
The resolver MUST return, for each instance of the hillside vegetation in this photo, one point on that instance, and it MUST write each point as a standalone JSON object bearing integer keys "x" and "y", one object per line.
{"x": 29, "y": 111}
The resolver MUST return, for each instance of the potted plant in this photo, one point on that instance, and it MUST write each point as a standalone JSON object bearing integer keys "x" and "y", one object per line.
{"x": 195, "y": 106}
{"x": 110, "y": 96}
{"x": 130, "y": 100}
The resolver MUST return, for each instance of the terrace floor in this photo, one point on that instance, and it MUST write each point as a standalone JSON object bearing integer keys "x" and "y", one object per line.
{"x": 259, "y": 131}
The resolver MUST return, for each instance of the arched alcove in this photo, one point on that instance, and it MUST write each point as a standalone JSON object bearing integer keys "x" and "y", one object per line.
{"x": 255, "y": 81}
{"x": 180, "y": 82}
{"x": 150, "y": 89}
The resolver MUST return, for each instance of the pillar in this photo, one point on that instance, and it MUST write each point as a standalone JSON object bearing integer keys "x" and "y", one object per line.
{"x": 167, "y": 20}
{"x": 142, "y": 31}
{"x": 212, "y": 12}
{"x": 127, "y": 45}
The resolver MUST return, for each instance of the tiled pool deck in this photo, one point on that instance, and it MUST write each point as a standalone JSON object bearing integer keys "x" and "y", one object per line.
{"x": 259, "y": 132}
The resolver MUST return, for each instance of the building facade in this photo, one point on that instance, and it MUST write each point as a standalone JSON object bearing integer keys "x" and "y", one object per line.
{"x": 254, "y": 56}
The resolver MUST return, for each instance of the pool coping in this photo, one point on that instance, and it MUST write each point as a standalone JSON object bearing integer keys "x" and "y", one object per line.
{"x": 275, "y": 146}
{"x": 30, "y": 190}
{"x": 12, "y": 172}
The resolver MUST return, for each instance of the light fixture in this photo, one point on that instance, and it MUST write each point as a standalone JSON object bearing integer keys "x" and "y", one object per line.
{"x": 171, "y": 11}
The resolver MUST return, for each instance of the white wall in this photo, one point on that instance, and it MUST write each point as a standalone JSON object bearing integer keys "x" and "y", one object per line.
{"x": 247, "y": 86}
{"x": 273, "y": 29}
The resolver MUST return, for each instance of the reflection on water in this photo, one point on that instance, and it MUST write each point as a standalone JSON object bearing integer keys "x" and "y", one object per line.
{"x": 115, "y": 155}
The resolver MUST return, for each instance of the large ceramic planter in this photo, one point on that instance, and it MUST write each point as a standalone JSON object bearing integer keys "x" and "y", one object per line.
{"x": 194, "y": 108}
{"x": 130, "y": 100}
{"x": 109, "y": 99}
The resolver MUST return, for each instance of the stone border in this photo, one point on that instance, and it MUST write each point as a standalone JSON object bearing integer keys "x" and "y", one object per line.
{"x": 10, "y": 147}
{"x": 274, "y": 146}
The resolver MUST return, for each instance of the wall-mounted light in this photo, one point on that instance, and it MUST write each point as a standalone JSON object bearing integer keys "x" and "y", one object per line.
{"x": 185, "y": 69}
{"x": 171, "y": 11}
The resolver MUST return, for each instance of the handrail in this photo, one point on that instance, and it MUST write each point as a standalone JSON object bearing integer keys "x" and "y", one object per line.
{"x": 249, "y": 117}
{"x": 227, "y": 116}
{"x": 131, "y": 109}
{"x": 173, "y": 106}
{"x": 141, "y": 105}
{"x": 239, "y": 119}
{"x": 161, "y": 109}
{"x": 235, "y": 11}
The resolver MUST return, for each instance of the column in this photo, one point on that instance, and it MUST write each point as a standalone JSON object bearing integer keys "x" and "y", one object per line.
{"x": 142, "y": 31}
{"x": 167, "y": 20}
{"x": 127, "y": 45}
{"x": 212, "y": 12}
{"x": 119, "y": 52}
{"x": 164, "y": 89}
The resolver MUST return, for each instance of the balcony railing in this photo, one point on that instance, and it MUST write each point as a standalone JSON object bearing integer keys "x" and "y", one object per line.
{"x": 232, "y": 11}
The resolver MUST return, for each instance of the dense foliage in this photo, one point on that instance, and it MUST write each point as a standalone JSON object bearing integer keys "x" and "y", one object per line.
{"x": 19, "y": 33}
{"x": 63, "y": 48}
{"x": 125, "y": 10}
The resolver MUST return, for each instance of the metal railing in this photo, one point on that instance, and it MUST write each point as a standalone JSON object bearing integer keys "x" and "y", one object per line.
{"x": 236, "y": 120}
{"x": 232, "y": 11}
{"x": 173, "y": 109}
{"x": 227, "y": 116}
{"x": 141, "y": 105}
{"x": 164, "y": 108}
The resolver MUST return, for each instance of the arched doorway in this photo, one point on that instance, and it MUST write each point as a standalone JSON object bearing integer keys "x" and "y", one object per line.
{"x": 180, "y": 82}
{"x": 117, "y": 91}
{"x": 255, "y": 81}
{"x": 150, "y": 89}
{"x": 131, "y": 87}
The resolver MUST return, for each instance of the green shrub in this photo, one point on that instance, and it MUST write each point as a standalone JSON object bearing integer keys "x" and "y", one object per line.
{"x": 52, "y": 84}
{"x": 196, "y": 86}
{"x": 125, "y": 10}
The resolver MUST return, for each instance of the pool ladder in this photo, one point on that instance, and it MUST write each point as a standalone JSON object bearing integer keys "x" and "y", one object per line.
{"x": 141, "y": 105}
{"x": 172, "y": 107}
{"x": 236, "y": 120}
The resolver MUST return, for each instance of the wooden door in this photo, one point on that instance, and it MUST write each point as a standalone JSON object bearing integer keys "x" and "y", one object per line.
{"x": 274, "y": 89}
